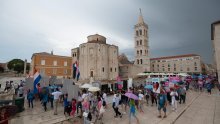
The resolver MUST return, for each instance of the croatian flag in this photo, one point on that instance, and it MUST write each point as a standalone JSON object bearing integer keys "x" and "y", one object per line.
{"x": 76, "y": 72}
{"x": 37, "y": 78}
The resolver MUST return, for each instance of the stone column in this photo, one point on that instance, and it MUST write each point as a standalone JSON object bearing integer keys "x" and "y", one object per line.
{"x": 25, "y": 66}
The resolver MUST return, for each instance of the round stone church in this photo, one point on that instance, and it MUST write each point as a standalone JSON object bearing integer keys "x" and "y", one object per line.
{"x": 97, "y": 59}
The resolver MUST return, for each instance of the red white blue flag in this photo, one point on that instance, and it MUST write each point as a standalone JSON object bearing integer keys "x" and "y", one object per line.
{"x": 37, "y": 78}
{"x": 76, "y": 72}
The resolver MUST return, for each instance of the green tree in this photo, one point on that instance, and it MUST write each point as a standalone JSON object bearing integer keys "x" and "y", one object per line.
{"x": 16, "y": 65}
{"x": 2, "y": 69}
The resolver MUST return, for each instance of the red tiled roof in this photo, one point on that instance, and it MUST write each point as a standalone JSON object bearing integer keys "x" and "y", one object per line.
{"x": 171, "y": 57}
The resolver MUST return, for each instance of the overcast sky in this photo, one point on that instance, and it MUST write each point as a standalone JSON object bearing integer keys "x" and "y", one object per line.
{"x": 175, "y": 26}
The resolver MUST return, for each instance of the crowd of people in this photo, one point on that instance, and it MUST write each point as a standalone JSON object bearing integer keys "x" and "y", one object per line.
{"x": 91, "y": 106}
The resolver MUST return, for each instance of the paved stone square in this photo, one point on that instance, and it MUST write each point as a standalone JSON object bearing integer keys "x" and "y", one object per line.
{"x": 197, "y": 105}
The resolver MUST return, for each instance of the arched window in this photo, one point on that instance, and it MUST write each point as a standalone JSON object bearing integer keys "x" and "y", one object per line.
{"x": 138, "y": 61}
{"x": 141, "y": 61}
{"x": 140, "y": 52}
{"x": 140, "y": 42}
{"x": 136, "y": 33}
{"x": 137, "y": 52}
{"x": 140, "y": 32}
{"x": 137, "y": 42}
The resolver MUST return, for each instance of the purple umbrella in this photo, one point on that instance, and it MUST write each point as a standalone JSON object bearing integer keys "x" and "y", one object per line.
{"x": 131, "y": 95}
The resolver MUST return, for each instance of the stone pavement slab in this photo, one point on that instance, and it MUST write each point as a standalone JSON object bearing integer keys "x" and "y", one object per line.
{"x": 204, "y": 110}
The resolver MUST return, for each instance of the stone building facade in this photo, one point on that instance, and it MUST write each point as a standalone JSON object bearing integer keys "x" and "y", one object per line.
{"x": 190, "y": 63}
{"x": 51, "y": 65}
{"x": 97, "y": 59}
{"x": 215, "y": 37}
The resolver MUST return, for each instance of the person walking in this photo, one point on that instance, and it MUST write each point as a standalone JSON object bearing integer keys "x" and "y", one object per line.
{"x": 79, "y": 104}
{"x": 132, "y": 111}
{"x": 124, "y": 101}
{"x": 182, "y": 94}
{"x": 56, "y": 95}
{"x": 209, "y": 87}
{"x": 147, "y": 96}
{"x": 21, "y": 91}
{"x": 101, "y": 110}
{"x": 30, "y": 98}
{"x": 141, "y": 101}
{"x": 162, "y": 103}
{"x": 45, "y": 100}
{"x": 153, "y": 98}
{"x": 85, "y": 107}
{"x": 104, "y": 99}
{"x": 73, "y": 107}
{"x": 51, "y": 97}
{"x": 173, "y": 95}
{"x": 65, "y": 104}
{"x": 115, "y": 105}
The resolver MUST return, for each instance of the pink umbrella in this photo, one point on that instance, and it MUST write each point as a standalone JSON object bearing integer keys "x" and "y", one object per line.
{"x": 131, "y": 95}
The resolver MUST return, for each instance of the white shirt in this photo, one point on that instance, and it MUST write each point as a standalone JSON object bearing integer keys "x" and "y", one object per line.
{"x": 56, "y": 95}
{"x": 104, "y": 96}
{"x": 21, "y": 90}
{"x": 173, "y": 94}
{"x": 140, "y": 96}
{"x": 84, "y": 95}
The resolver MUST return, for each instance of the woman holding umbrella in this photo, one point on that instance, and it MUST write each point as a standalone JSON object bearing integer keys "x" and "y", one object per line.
{"x": 132, "y": 98}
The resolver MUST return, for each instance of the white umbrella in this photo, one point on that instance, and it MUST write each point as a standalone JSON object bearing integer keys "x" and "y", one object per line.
{"x": 94, "y": 89}
{"x": 86, "y": 86}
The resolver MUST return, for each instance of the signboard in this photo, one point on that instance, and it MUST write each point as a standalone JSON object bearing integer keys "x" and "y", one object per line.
{"x": 174, "y": 79}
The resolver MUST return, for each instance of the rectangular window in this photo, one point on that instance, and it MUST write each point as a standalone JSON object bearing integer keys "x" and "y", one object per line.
{"x": 195, "y": 68}
{"x": 174, "y": 69}
{"x": 168, "y": 69}
{"x": 42, "y": 62}
{"x": 195, "y": 63}
{"x": 65, "y": 63}
{"x": 181, "y": 69}
{"x": 103, "y": 69}
{"x": 110, "y": 69}
{"x": 188, "y": 69}
{"x": 54, "y": 71}
{"x": 115, "y": 69}
{"x": 54, "y": 63}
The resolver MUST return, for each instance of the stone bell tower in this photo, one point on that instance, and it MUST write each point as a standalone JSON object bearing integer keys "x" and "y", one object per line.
{"x": 141, "y": 44}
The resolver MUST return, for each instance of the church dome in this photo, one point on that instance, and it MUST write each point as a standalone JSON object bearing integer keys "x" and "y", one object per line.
{"x": 96, "y": 38}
